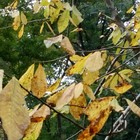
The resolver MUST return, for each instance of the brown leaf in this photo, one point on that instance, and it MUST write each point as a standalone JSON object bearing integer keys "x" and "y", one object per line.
{"x": 13, "y": 111}
{"x": 77, "y": 106}
{"x": 39, "y": 83}
{"x": 66, "y": 97}
{"x": 66, "y": 45}
{"x": 95, "y": 126}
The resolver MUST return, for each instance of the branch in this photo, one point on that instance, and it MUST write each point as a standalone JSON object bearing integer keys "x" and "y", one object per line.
{"x": 43, "y": 102}
{"x": 118, "y": 122}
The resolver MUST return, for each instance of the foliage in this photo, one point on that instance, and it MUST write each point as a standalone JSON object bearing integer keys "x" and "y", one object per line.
{"x": 91, "y": 78}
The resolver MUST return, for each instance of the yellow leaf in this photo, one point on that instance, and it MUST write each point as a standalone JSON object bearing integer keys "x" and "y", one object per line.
{"x": 90, "y": 77}
{"x": 16, "y": 23}
{"x": 130, "y": 10}
{"x": 23, "y": 18}
{"x": 14, "y": 4}
{"x": 95, "y": 125}
{"x": 36, "y": 7}
{"x": 133, "y": 107}
{"x": 78, "y": 90}
{"x": 94, "y": 62}
{"x": 77, "y": 106}
{"x": 122, "y": 87}
{"x": 1, "y": 79}
{"x": 78, "y": 67}
{"x": 76, "y": 58}
{"x": 46, "y": 11}
{"x": 20, "y": 33}
{"x": 41, "y": 114}
{"x": 98, "y": 106}
{"x": 39, "y": 82}
{"x": 54, "y": 98}
{"x": 66, "y": 97}
{"x": 26, "y": 78}
{"x": 66, "y": 45}
{"x": 76, "y": 16}
{"x": 63, "y": 21}
{"x": 89, "y": 92}
{"x": 115, "y": 105}
{"x": 41, "y": 28}
{"x": 33, "y": 131}
{"x": 13, "y": 111}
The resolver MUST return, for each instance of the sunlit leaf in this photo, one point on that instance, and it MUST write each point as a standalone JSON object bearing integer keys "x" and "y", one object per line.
{"x": 26, "y": 78}
{"x": 39, "y": 82}
{"x": 78, "y": 67}
{"x": 77, "y": 106}
{"x": 90, "y": 77}
{"x": 89, "y": 92}
{"x": 130, "y": 9}
{"x": 78, "y": 90}
{"x": 1, "y": 79}
{"x": 76, "y": 58}
{"x": 66, "y": 96}
{"x": 13, "y": 111}
{"x": 94, "y": 62}
{"x": 63, "y": 21}
{"x": 23, "y": 18}
{"x": 21, "y": 31}
{"x": 16, "y": 22}
{"x": 66, "y": 45}
{"x": 54, "y": 86}
{"x": 122, "y": 87}
{"x": 133, "y": 107}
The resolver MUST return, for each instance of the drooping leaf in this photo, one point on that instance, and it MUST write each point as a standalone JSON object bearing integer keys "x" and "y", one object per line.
{"x": 33, "y": 131}
{"x": 63, "y": 21}
{"x": 77, "y": 106}
{"x": 76, "y": 58}
{"x": 133, "y": 107}
{"x": 89, "y": 92}
{"x": 13, "y": 111}
{"x": 1, "y": 79}
{"x": 41, "y": 28}
{"x": 23, "y": 18}
{"x": 21, "y": 31}
{"x": 66, "y": 45}
{"x": 53, "y": 40}
{"x": 78, "y": 90}
{"x": 76, "y": 16}
{"x": 39, "y": 82}
{"x": 16, "y": 22}
{"x": 94, "y": 62}
{"x": 26, "y": 78}
{"x": 66, "y": 97}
